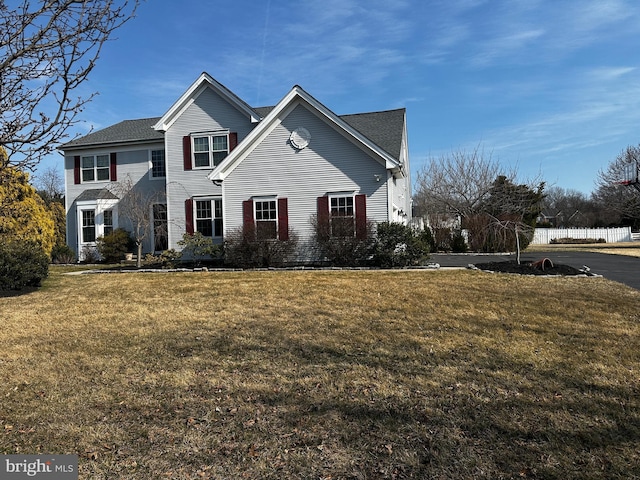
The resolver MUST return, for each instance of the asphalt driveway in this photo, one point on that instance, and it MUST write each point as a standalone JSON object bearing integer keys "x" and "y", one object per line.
{"x": 619, "y": 268}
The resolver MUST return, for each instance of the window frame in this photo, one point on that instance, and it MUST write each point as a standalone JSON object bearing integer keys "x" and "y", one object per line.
{"x": 107, "y": 227}
{"x": 95, "y": 169}
{"x": 153, "y": 168}
{"x": 262, "y": 231}
{"x": 211, "y": 151}
{"x": 158, "y": 224}
{"x": 216, "y": 218}
{"x": 85, "y": 225}
{"x": 345, "y": 218}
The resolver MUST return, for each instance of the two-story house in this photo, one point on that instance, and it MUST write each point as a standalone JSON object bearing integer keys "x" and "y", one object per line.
{"x": 214, "y": 163}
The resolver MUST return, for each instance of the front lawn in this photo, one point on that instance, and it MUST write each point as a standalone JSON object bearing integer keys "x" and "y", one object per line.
{"x": 324, "y": 375}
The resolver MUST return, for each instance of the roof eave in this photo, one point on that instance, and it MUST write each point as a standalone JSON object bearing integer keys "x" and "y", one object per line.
{"x": 84, "y": 146}
{"x": 193, "y": 91}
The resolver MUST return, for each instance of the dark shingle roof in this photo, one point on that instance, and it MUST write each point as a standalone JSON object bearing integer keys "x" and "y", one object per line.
{"x": 385, "y": 129}
{"x": 96, "y": 194}
{"x": 127, "y": 131}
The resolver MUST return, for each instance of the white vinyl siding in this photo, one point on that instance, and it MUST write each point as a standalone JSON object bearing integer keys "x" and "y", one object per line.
{"x": 208, "y": 113}
{"x": 331, "y": 163}
{"x": 133, "y": 163}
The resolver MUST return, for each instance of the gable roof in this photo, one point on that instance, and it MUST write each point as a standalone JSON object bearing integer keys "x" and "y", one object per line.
{"x": 204, "y": 81}
{"x": 380, "y": 131}
{"x": 296, "y": 96}
{"x": 127, "y": 131}
{"x": 384, "y": 128}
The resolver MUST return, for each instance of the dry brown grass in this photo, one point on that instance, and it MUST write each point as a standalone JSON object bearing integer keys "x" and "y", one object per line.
{"x": 407, "y": 374}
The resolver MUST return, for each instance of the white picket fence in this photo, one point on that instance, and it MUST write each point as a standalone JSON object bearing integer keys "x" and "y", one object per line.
{"x": 544, "y": 236}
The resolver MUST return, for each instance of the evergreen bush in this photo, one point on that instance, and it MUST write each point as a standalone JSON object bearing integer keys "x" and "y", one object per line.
{"x": 115, "y": 245}
{"x": 399, "y": 245}
{"x": 196, "y": 247}
{"x": 62, "y": 254}
{"x": 22, "y": 264}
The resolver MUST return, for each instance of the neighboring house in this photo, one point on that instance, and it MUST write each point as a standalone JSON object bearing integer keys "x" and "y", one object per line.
{"x": 215, "y": 164}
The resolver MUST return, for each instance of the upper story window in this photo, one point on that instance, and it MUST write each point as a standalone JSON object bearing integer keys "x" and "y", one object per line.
{"x": 210, "y": 150}
{"x": 158, "y": 165}
{"x": 95, "y": 168}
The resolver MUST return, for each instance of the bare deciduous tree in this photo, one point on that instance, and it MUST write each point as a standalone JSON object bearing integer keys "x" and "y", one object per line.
{"x": 475, "y": 188}
{"x": 47, "y": 49}
{"x": 49, "y": 184}
{"x": 621, "y": 202}
{"x": 457, "y": 183}
{"x": 136, "y": 207}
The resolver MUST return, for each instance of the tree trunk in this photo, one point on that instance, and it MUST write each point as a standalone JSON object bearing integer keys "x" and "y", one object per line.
{"x": 517, "y": 246}
{"x": 139, "y": 255}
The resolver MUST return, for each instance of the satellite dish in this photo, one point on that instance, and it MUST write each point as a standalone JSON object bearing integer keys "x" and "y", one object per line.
{"x": 300, "y": 138}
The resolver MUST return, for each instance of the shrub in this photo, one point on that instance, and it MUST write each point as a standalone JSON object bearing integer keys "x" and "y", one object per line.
{"x": 115, "y": 245}
{"x": 441, "y": 238}
{"x": 169, "y": 258}
{"x": 458, "y": 242}
{"x": 399, "y": 245}
{"x": 574, "y": 241}
{"x": 22, "y": 264}
{"x": 425, "y": 238}
{"x": 339, "y": 246}
{"x": 62, "y": 254}
{"x": 197, "y": 247}
{"x": 245, "y": 249}
{"x": 90, "y": 254}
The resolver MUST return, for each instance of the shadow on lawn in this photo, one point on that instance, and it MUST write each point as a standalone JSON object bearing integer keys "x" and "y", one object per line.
{"x": 424, "y": 411}
{"x": 274, "y": 404}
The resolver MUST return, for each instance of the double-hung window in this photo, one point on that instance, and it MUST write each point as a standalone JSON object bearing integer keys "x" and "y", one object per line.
{"x": 342, "y": 216}
{"x": 88, "y": 226}
{"x": 107, "y": 217}
{"x": 95, "y": 168}
{"x": 160, "y": 227}
{"x": 209, "y": 217}
{"x": 158, "y": 165}
{"x": 266, "y": 219}
{"x": 210, "y": 150}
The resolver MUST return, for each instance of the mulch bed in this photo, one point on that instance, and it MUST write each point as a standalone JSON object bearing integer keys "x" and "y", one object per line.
{"x": 526, "y": 268}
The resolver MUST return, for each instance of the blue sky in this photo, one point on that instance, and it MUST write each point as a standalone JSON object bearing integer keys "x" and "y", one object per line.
{"x": 550, "y": 87}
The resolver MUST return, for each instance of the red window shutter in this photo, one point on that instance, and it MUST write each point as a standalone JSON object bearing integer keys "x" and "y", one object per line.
{"x": 247, "y": 215}
{"x": 324, "y": 231}
{"x": 283, "y": 219}
{"x": 361, "y": 216}
{"x": 186, "y": 152}
{"x": 233, "y": 141}
{"x": 76, "y": 169}
{"x": 113, "y": 167}
{"x": 188, "y": 215}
